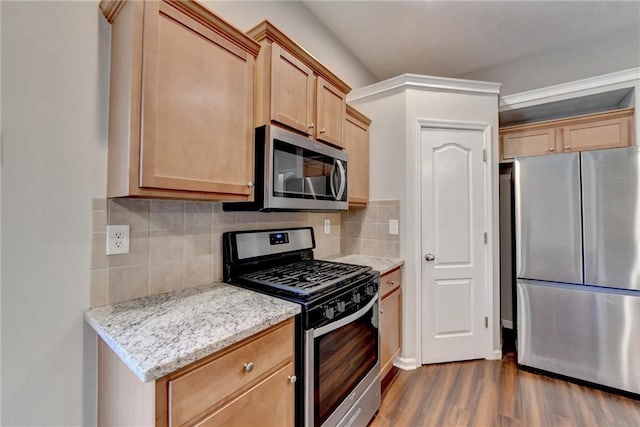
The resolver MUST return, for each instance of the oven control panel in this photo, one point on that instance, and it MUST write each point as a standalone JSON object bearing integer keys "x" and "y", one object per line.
{"x": 342, "y": 304}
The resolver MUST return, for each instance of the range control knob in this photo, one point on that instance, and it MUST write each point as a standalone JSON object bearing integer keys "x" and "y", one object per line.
{"x": 329, "y": 313}
{"x": 341, "y": 306}
{"x": 356, "y": 297}
{"x": 370, "y": 291}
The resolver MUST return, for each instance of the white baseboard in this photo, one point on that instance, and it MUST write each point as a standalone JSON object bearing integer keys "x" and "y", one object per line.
{"x": 406, "y": 363}
{"x": 495, "y": 355}
{"x": 507, "y": 324}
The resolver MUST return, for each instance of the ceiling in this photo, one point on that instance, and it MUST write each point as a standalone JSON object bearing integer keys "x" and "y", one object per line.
{"x": 455, "y": 38}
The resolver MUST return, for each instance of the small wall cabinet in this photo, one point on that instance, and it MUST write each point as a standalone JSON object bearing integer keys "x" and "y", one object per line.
{"x": 390, "y": 319}
{"x": 181, "y": 103}
{"x": 356, "y": 144}
{"x": 295, "y": 90}
{"x": 219, "y": 390}
{"x": 590, "y": 132}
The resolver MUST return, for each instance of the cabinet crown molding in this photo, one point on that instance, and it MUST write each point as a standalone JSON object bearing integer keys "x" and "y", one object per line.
{"x": 265, "y": 30}
{"x": 199, "y": 12}
{"x": 352, "y": 112}
{"x": 422, "y": 82}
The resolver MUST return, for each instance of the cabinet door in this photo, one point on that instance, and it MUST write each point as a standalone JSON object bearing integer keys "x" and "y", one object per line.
{"x": 331, "y": 112}
{"x": 596, "y": 135}
{"x": 197, "y": 107}
{"x": 528, "y": 143}
{"x": 356, "y": 144}
{"x": 390, "y": 330}
{"x": 268, "y": 404}
{"x": 292, "y": 84}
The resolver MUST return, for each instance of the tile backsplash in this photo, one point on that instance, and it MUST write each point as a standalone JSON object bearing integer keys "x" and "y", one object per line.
{"x": 175, "y": 244}
{"x": 365, "y": 231}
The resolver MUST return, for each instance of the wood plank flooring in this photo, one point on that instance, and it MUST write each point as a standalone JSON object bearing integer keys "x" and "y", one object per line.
{"x": 497, "y": 393}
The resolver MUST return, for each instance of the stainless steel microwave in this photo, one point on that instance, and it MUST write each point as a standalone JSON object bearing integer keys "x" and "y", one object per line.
{"x": 295, "y": 173}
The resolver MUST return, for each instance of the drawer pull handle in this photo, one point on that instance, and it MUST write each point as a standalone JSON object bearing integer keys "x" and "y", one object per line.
{"x": 248, "y": 367}
{"x": 292, "y": 379}
{"x": 311, "y": 125}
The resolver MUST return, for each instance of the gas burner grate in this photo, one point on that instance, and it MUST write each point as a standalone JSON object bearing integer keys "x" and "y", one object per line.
{"x": 305, "y": 277}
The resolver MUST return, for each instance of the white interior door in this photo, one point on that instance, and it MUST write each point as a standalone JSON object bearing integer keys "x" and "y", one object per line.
{"x": 454, "y": 294}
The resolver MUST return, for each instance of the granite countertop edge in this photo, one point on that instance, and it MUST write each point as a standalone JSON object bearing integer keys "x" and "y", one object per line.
{"x": 378, "y": 263}
{"x": 144, "y": 366}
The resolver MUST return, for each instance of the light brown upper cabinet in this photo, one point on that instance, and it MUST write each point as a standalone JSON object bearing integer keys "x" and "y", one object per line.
{"x": 356, "y": 144}
{"x": 181, "y": 103}
{"x": 589, "y": 132}
{"x": 295, "y": 90}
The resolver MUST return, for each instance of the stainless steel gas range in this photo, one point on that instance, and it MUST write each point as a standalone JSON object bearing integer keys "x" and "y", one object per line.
{"x": 337, "y": 333}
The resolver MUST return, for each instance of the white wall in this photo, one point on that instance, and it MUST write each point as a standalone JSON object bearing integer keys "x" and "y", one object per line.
{"x": 55, "y": 64}
{"x": 54, "y": 105}
{"x": 0, "y": 214}
{"x": 614, "y": 52}
{"x": 299, "y": 23}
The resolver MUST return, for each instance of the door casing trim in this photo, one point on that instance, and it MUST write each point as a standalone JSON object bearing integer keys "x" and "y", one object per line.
{"x": 490, "y": 289}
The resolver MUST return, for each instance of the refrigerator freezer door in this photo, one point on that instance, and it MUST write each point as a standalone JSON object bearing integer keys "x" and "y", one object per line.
{"x": 548, "y": 220}
{"x": 592, "y": 334}
{"x": 611, "y": 210}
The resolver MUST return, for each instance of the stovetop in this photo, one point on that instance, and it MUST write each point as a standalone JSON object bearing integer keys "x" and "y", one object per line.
{"x": 305, "y": 277}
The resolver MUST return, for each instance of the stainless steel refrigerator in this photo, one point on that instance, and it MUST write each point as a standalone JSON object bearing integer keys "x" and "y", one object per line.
{"x": 578, "y": 265}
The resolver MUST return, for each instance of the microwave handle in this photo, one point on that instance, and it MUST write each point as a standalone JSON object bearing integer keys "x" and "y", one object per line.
{"x": 333, "y": 189}
{"x": 343, "y": 180}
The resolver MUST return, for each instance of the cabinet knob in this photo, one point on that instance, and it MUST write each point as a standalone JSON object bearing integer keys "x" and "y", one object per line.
{"x": 391, "y": 282}
{"x": 322, "y": 130}
{"x": 429, "y": 257}
{"x": 250, "y": 184}
{"x": 566, "y": 147}
{"x": 551, "y": 149}
{"x": 248, "y": 367}
{"x": 312, "y": 125}
{"x": 292, "y": 379}
{"x": 381, "y": 310}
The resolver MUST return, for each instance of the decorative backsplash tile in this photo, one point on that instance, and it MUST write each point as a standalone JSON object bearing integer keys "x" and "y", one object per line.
{"x": 177, "y": 244}
{"x": 365, "y": 231}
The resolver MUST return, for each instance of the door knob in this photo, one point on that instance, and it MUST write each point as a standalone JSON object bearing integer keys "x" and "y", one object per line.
{"x": 429, "y": 257}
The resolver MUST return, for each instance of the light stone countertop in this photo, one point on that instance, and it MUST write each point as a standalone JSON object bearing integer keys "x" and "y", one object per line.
{"x": 381, "y": 264}
{"x": 159, "y": 334}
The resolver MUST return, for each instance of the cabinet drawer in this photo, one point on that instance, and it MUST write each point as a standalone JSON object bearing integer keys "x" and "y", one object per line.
{"x": 201, "y": 388}
{"x": 390, "y": 281}
{"x": 268, "y": 404}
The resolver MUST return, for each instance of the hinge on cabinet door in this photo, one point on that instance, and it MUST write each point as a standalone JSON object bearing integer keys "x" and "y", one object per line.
{"x": 486, "y": 322}
{"x": 486, "y": 238}
{"x": 484, "y": 155}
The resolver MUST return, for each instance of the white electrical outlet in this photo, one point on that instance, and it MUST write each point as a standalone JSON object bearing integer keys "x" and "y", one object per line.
{"x": 327, "y": 226}
{"x": 393, "y": 226}
{"x": 117, "y": 239}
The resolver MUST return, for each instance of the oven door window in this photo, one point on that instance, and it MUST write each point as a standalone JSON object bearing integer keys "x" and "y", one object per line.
{"x": 343, "y": 357}
{"x": 305, "y": 174}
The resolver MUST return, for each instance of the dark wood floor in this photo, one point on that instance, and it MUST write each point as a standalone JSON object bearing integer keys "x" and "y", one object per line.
{"x": 497, "y": 393}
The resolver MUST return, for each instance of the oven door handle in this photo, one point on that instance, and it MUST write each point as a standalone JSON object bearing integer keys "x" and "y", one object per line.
{"x": 345, "y": 320}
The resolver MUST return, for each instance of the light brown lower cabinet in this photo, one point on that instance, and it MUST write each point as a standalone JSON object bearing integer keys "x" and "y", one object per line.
{"x": 248, "y": 383}
{"x": 390, "y": 319}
